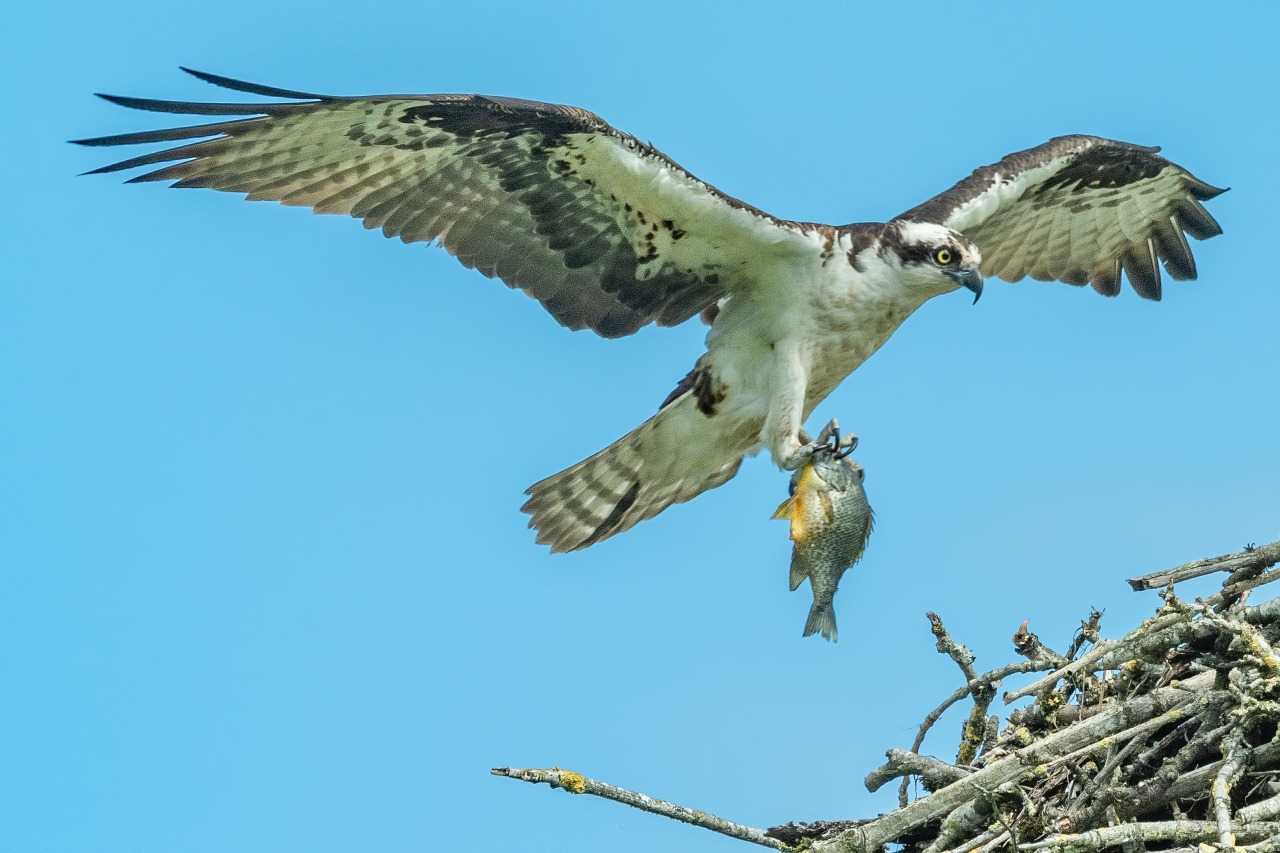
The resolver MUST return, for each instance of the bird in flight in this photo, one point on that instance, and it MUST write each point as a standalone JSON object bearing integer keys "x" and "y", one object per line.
{"x": 610, "y": 234}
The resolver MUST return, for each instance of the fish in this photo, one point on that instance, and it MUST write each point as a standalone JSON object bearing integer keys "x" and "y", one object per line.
{"x": 831, "y": 522}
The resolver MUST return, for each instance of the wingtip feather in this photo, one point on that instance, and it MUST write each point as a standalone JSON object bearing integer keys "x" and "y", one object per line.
{"x": 251, "y": 88}
{"x": 1203, "y": 191}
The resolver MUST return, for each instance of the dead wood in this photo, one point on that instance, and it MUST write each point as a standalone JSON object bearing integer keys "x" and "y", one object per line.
{"x": 1167, "y": 738}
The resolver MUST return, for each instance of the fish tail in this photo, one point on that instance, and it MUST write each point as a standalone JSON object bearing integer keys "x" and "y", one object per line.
{"x": 822, "y": 620}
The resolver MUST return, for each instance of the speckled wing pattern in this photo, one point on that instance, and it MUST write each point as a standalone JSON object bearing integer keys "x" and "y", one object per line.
{"x": 1080, "y": 209}
{"x": 604, "y": 230}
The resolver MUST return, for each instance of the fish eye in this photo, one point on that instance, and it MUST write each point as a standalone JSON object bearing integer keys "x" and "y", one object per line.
{"x": 942, "y": 257}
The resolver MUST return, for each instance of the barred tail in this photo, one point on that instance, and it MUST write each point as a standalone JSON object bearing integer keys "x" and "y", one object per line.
{"x": 670, "y": 458}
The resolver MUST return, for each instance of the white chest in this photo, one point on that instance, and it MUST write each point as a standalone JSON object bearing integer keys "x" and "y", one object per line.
{"x": 835, "y": 315}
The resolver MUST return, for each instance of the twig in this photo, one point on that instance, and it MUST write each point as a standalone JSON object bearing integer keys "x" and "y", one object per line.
{"x": 949, "y": 647}
{"x": 995, "y": 842}
{"x": 966, "y": 819}
{"x": 1088, "y": 633}
{"x": 1260, "y": 557}
{"x": 936, "y": 774}
{"x": 576, "y": 783}
{"x": 1188, "y": 783}
{"x": 1108, "y": 771}
{"x": 977, "y": 841}
{"x": 1252, "y": 638}
{"x": 1178, "y": 831}
{"x": 1106, "y": 649}
{"x": 1270, "y": 845}
{"x": 1174, "y": 714}
{"x": 993, "y": 677}
{"x": 796, "y": 834}
{"x": 1237, "y": 755}
{"x": 1145, "y": 630}
{"x": 1028, "y": 644}
{"x": 1145, "y": 763}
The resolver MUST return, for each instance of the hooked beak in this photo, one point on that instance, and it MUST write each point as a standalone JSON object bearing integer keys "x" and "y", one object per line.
{"x": 968, "y": 278}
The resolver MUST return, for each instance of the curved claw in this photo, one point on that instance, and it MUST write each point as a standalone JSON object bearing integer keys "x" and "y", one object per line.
{"x": 830, "y": 439}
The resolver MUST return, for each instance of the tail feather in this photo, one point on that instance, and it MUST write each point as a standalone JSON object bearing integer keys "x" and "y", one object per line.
{"x": 639, "y": 475}
{"x": 822, "y": 620}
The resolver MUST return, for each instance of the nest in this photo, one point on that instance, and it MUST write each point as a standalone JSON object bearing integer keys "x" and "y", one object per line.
{"x": 1166, "y": 738}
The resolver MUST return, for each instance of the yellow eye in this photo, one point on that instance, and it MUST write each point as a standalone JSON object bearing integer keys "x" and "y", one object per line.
{"x": 943, "y": 257}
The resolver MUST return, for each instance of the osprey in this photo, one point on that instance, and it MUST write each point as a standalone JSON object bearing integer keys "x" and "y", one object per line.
{"x": 610, "y": 234}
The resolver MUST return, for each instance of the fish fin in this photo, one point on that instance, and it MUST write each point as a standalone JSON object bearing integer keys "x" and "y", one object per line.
{"x": 792, "y": 509}
{"x": 798, "y": 574}
{"x": 822, "y": 620}
{"x": 799, "y": 530}
{"x": 783, "y": 512}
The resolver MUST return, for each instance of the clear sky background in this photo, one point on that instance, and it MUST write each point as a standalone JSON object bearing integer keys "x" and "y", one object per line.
{"x": 264, "y": 582}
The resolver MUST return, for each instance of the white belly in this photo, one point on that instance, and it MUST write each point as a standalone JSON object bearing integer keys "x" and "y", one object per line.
{"x": 837, "y": 323}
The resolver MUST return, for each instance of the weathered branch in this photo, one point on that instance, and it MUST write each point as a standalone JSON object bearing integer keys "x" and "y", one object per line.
{"x": 1177, "y": 831}
{"x": 1256, "y": 558}
{"x": 1237, "y": 755}
{"x": 1264, "y": 810}
{"x": 935, "y": 773}
{"x": 1028, "y": 644}
{"x": 576, "y": 783}
{"x": 957, "y": 652}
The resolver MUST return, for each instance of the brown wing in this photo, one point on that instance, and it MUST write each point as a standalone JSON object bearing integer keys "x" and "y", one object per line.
{"x": 1080, "y": 209}
{"x": 605, "y": 231}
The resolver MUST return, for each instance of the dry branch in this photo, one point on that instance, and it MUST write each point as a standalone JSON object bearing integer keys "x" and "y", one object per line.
{"x": 576, "y": 783}
{"x": 1249, "y": 558}
{"x": 1167, "y": 736}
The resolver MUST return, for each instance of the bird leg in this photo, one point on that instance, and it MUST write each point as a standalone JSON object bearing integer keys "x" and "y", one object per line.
{"x": 782, "y": 430}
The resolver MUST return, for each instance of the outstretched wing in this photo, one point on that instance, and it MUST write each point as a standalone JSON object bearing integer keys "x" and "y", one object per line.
{"x": 1080, "y": 209}
{"x": 604, "y": 230}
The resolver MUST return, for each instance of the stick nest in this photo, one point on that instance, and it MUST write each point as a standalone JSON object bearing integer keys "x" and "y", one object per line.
{"x": 1165, "y": 738}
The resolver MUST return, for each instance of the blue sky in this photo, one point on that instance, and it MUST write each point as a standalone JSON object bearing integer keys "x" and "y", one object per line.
{"x": 264, "y": 589}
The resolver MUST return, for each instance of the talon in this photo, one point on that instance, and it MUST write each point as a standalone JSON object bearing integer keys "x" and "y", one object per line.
{"x": 846, "y": 445}
{"x": 801, "y": 455}
{"x": 831, "y": 440}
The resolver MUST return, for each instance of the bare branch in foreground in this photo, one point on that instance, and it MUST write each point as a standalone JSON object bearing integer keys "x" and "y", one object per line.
{"x": 576, "y": 783}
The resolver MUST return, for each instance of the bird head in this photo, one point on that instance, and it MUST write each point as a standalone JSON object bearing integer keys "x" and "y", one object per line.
{"x": 932, "y": 258}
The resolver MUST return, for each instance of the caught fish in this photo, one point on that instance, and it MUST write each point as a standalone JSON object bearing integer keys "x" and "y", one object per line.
{"x": 830, "y": 524}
